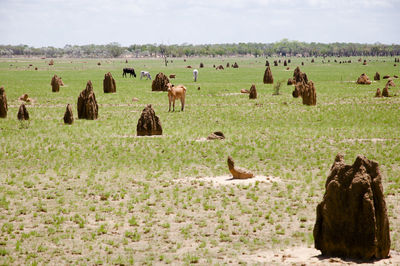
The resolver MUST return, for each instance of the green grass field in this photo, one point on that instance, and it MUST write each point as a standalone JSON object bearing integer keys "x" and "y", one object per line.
{"x": 94, "y": 193}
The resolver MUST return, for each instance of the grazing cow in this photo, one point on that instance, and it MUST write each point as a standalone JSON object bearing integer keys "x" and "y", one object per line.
{"x": 130, "y": 71}
{"x": 172, "y": 76}
{"x": 145, "y": 74}
{"x": 195, "y": 74}
{"x": 178, "y": 92}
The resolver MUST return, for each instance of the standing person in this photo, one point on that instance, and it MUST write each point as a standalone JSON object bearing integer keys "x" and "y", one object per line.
{"x": 195, "y": 74}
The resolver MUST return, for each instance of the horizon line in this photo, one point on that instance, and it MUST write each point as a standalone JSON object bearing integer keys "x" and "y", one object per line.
{"x": 201, "y": 44}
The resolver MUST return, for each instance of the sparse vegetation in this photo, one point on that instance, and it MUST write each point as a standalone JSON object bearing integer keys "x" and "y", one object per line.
{"x": 277, "y": 87}
{"x": 94, "y": 193}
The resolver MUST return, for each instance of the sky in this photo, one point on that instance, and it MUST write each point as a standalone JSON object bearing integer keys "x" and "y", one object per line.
{"x": 57, "y": 23}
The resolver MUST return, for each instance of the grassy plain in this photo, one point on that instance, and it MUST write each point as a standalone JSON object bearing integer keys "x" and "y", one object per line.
{"x": 94, "y": 193}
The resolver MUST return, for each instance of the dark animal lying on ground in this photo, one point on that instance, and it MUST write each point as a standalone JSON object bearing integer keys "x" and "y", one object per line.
{"x": 130, "y": 71}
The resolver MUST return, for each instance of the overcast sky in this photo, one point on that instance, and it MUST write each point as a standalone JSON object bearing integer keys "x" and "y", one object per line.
{"x": 56, "y": 23}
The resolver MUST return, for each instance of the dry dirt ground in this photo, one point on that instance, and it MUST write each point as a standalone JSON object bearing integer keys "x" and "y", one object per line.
{"x": 309, "y": 256}
{"x": 228, "y": 180}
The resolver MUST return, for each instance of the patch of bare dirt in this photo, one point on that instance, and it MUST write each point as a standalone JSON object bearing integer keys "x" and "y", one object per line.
{"x": 225, "y": 180}
{"x": 308, "y": 256}
{"x": 229, "y": 94}
{"x": 374, "y": 140}
{"x": 202, "y": 140}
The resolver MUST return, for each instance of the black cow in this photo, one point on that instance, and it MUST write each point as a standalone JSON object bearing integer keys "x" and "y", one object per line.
{"x": 131, "y": 71}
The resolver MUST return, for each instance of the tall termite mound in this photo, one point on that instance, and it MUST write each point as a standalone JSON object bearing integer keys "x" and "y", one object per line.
{"x": 268, "y": 78}
{"x": 148, "y": 124}
{"x": 304, "y": 88}
{"x": 55, "y": 83}
{"x": 160, "y": 82}
{"x": 3, "y": 103}
{"x": 87, "y": 104}
{"x": 109, "y": 83}
{"x": 352, "y": 220}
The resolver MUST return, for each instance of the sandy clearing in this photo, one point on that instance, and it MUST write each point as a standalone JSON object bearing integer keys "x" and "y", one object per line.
{"x": 232, "y": 93}
{"x": 202, "y": 140}
{"x": 225, "y": 180}
{"x": 309, "y": 256}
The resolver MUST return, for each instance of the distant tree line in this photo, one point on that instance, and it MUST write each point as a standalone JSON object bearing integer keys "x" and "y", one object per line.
{"x": 284, "y": 47}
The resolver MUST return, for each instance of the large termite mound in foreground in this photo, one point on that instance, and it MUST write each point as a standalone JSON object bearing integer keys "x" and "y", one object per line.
{"x": 352, "y": 219}
{"x": 87, "y": 104}
{"x": 160, "y": 82}
{"x": 3, "y": 103}
{"x": 148, "y": 124}
{"x": 109, "y": 83}
{"x": 363, "y": 79}
{"x": 268, "y": 79}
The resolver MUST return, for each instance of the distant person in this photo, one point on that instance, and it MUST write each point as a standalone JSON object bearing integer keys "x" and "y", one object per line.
{"x": 195, "y": 74}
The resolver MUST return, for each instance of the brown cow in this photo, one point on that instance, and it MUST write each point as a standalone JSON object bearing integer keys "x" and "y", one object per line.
{"x": 172, "y": 76}
{"x": 176, "y": 92}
